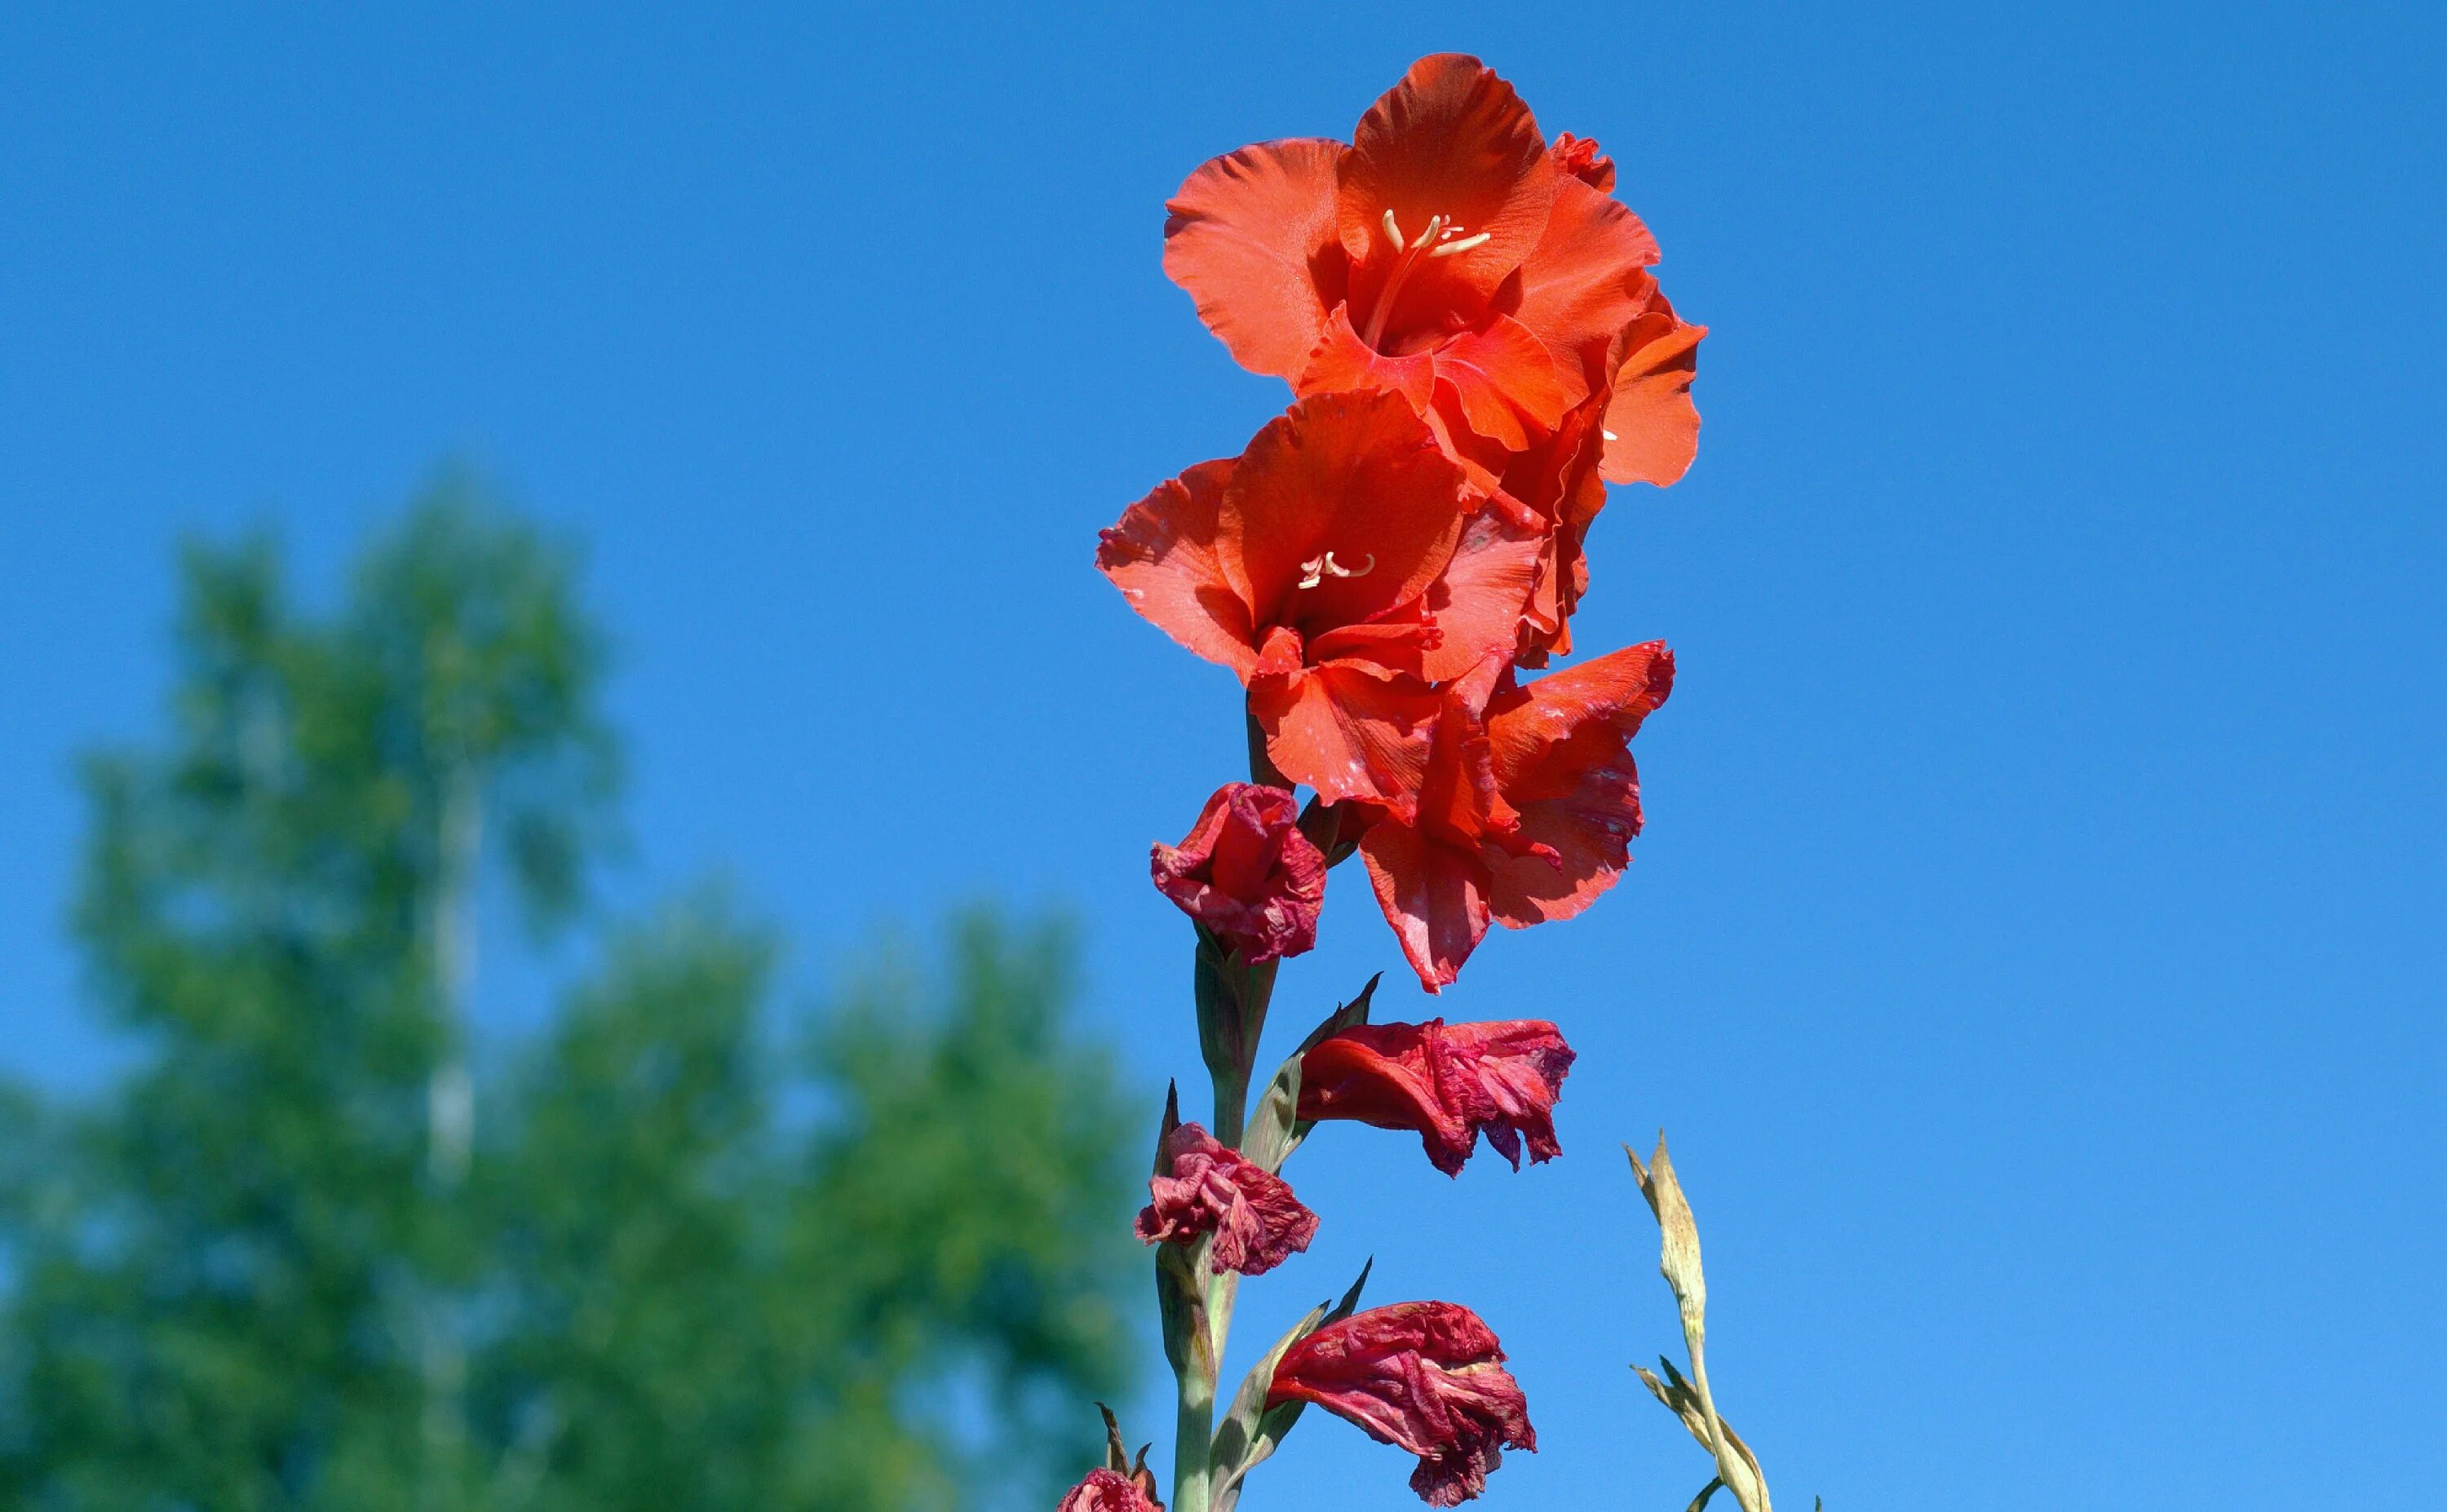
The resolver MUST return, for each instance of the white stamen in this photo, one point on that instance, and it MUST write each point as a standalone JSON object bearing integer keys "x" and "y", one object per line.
{"x": 1393, "y": 231}
{"x": 1609, "y": 434}
{"x": 1317, "y": 569}
{"x": 1449, "y": 248}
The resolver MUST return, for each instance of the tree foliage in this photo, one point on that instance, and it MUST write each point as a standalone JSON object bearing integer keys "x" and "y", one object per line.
{"x": 683, "y": 1250}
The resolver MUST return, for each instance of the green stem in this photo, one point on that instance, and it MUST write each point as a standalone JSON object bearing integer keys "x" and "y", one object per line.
{"x": 1192, "y": 1438}
{"x": 1232, "y": 997}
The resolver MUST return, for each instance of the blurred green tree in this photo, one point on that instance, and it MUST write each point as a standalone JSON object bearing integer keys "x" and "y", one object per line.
{"x": 284, "y": 1264}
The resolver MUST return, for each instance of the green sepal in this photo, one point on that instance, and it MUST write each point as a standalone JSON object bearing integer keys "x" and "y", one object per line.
{"x": 1274, "y": 1129}
{"x": 1250, "y": 1431}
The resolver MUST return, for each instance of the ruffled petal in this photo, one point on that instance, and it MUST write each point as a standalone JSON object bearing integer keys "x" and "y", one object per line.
{"x": 1342, "y": 362}
{"x": 1584, "y": 160}
{"x": 1346, "y": 733}
{"x": 1162, "y": 556}
{"x": 1588, "y": 275}
{"x": 1542, "y": 736}
{"x": 1248, "y": 873}
{"x": 1478, "y": 604}
{"x": 1428, "y": 1377}
{"x": 1207, "y": 1187}
{"x": 1251, "y": 236}
{"x": 1562, "y": 754}
{"x": 1433, "y": 895}
{"x": 1505, "y": 382}
{"x": 1557, "y": 480}
{"x": 1651, "y": 427}
{"x": 1588, "y": 835}
{"x": 1451, "y": 140}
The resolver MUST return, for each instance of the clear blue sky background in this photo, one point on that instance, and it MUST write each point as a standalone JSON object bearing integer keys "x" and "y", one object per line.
{"x": 2034, "y": 952}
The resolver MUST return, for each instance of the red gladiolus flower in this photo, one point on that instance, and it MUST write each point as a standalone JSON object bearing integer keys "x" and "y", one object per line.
{"x": 1448, "y": 1083}
{"x": 1425, "y": 1376}
{"x": 1212, "y": 1188}
{"x": 1107, "y": 1491}
{"x": 1338, "y": 567}
{"x": 1448, "y": 254}
{"x": 1248, "y": 873}
{"x": 1528, "y": 805}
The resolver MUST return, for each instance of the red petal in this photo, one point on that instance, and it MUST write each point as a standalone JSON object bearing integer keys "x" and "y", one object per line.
{"x": 1450, "y": 139}
{"x": 1545, "y": 734}
{"x": 1562, "y": 752}
{"x": 1248, "y": 873}
{"x": 1478, "y": 605}
{"x": 1380, "y": 1074}
{"x": 1582, "y": 157}
{"x": 1245, "y": 236}
{"x": 1346, "y": 733}
{"x": 1162, "y": 557}
{"x": 1588, "y": 833}
{"x": 1588, "y": 275}
{"x": 1433, "y": 895}
{"x": 1342, "y": 362}
{"x": 1359, "y": 475}
{"x": 1502, "y": 375}
{"x": 1206, "y": 1187}
{"x": 1428, "y": 1377}
{"x": 1651, "y": 427}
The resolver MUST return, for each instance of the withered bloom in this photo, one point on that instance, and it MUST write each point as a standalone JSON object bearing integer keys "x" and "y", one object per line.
{"x": 1107, "y": 1491}
{"x": 1212, "y": 1188}
{"x": 1426, "y": 1377}
{"x": 1248, "y": 873}
{"x": 1447, "y": 1083}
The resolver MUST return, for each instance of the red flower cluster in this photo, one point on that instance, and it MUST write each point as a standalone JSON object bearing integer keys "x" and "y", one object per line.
{"x": 1208, "y": 1188}
{"x": 1476, "y": 347}
{"x": 1448, "y": 1084}
{"x": 1426, "y": 1377}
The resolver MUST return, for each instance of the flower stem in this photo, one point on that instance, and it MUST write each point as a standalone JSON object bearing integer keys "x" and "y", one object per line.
{"x": 1193, "y": 1436}
{"x": 1232, "y": 997}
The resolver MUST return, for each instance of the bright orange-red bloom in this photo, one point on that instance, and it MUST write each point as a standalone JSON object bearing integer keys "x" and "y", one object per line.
{"x": 1426, "y": 1377}
{"x": 1338, "y": 565}
{"x": 1526, "y": 806}
{"x": 1447, "y": 254}
{"x": 1448, "y": 1083}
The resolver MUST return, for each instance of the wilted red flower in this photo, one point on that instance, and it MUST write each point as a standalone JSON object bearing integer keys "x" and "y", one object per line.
{"x": 1449, "y": 1083}
{"x": 1248, "y": 873}
{"x": 1426, "y": 1377}
{"x": 1447, "y": 254}
{"x": 1528, "y": 804}
{"x": 1107, "y": 1491}
{"x": 1338, "y": 567}
{"x": 1211, "y": 1188}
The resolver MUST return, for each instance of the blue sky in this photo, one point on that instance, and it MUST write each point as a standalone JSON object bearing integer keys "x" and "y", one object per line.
{"x": 2035, "y": 948}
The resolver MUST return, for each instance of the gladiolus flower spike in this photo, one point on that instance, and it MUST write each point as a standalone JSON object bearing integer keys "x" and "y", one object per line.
{"x": 1476, "y": 345}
